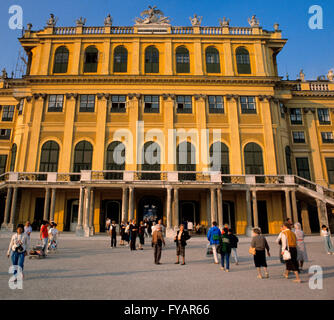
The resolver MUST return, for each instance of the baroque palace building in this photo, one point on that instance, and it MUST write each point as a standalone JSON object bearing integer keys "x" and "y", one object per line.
{"x": 168, "y": 100}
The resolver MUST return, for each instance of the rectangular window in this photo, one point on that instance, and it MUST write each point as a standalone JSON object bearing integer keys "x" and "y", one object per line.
{"x": 184, "y": 104}
{"x": 327, "y": 137}
{"x": 303, "y": 168}
{"x": 87, "y": 103}
{"x": 8, "y": 113}
{"x": 5, "y": 134}
{"x": 151, "y": 104}
{"x": 216, "y": 104}
{"x": 298, "y": 137}
{"x": 248, "y": 104}
{"x": 330, "y": 169}
{"x": 296, "y": 116}
{"x": 118, "y": 104}
{"x": 3, "y": 162}
{"x": 55, "y": 103}
{"x": 323, "y": 116}
{"x": 282, "y": 110}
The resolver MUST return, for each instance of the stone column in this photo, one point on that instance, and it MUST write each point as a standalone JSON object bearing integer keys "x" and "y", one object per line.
{"x": 288, "y": 204}
{"x": 249, "y": 214}
{"x": 168, "y": 210}
{"x": 7, "y": 208}
{"x": 131, "y": 203}
{"x": 124, "y": 201}
{"x": 46, "y": 204}
{"x": 176, "y": 208}
{"x": 220, "y": 207}
{"x": 305, "y": 218}
{"x": 12, "y": 219}
{"x": 91, "y": 213}
{"x": 322, "y": 213}
{"x": 255, "y": 213}
{"x": 213, "y": 205}
{"x": 87, "y": 211}
{"x": 79, "y": 227}
{"x": 294, "y": 206}
{"x": 53, "y": 204}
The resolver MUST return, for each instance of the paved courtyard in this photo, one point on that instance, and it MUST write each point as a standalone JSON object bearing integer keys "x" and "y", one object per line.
{"x": 90, "y": 269}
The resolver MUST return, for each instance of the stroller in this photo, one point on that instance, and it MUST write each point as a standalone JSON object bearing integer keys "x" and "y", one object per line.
{"x": 37, "y": 251}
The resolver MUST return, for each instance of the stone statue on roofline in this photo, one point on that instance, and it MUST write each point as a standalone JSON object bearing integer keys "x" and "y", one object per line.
{"x": 108, "y": 21}
{"x": 302, "y": 75}
{"x": 152, "y": 16}
{"x": 330, "y": 75}
{"x": 253, "y": 22}
{"x": 196, "y": 20}
{"x": 4, "y": 74}
{"x": 51, "y": 21}
{"x": 80, "y": 22}
{"x": 225, "y": 22}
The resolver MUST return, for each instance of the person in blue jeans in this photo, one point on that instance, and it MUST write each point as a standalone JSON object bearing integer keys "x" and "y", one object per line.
{"x": 17, "y": 249}
{"x": 213, "y": 236}
{"x": 225, "y": 250}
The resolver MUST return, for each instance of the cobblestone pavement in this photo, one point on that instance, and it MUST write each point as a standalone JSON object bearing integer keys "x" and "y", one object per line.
{"x": 90, "y": 269}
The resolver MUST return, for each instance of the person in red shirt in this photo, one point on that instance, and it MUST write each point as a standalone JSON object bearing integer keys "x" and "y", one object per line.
{"x": 44, "y": 234}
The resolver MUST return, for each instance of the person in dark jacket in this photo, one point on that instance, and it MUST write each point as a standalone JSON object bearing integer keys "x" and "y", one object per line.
{"x": 141, "y": 234}
{"x": 225, "y": 250}
{"x": 112, "y": 232}
{"x": 133, "y": 235}
{"x": 181, "y": 241}
{"x": 234, "y": 245}
{"x": 122, "y": 232}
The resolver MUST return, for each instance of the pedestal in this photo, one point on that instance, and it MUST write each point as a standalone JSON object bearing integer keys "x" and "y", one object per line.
{"x": 86, "y": 232}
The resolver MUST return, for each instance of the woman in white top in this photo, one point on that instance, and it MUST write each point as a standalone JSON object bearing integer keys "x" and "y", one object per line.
{"x": 17, "y": 249}
{"x": 301, "y": 248}
{"x": 327, "y": 239}
{"x": 27, "y": 231}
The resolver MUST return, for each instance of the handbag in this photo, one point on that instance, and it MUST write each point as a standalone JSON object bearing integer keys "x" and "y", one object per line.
{"x": 286, "y": 253}
{"x": 252, "y": 251}
{"x": 209, "y": 251}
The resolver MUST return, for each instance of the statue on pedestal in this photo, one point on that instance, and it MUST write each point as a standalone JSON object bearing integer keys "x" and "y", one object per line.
{"x": 152, "y": 16}
{"x": 51, "y": 21}
{"x": 302, "y": 75}
{"x": 225, "y": 22}
{"x": 253, "y": 22}
{"x": 80, "y": 22}
{"x": 196, "y": 20}
{"x": 108, "y": 21}
{"x": 330, "y": 75}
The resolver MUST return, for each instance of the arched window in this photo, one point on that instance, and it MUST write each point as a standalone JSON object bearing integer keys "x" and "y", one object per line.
{"x": 115, "y": 160}
{"x": 151, "y": 60}
{"x": 253, "y": 159}
{"x": 83, "y": 154}
{"x": 91, "y": 58}
{"x": 243, "y": 61}
{"x": 13, "y": 158}
{"x": 288, "y": 159}
{"x": 212, "y": 60}
{"x": 182, "y": 60}
{"x": 186, "y": 160}
{"x": 151, "y": 160}
{"x": 120, "y": 59}
{"x": 61, "y": 60}
{"x": 220, "y": 158}
{"x": 49, "y": 157}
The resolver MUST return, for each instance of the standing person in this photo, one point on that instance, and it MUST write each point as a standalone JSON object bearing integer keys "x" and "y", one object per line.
{"x": 190, "y": 226}
{"x": 108, "y": 222}
{"x": 127, "y": 233}
{"x": 149, "y": 228}
{"x": 225, "y": 250}
{"x": 44, "y": 235}
{"x": 141, "y": 234}
{"x": 181, "y": 241}
{"x": 213, "y": 236}
{"x": 53, "y": 233}
{"x": 133, "y": 235}
{"x": 157, "y": 242}
{"x": 290, "y": 223}
{"x": 301, "y": 247}
{"x": 160, "y": 224}
{"x": 146, "y": 228}
{"x": 122, "y": 233}
{"x": 28, "y": 231}
{"x": 260, "y": 244}
{"x": 17, "y": 249}
{"x": 279, "y": 242}
{"x": 289, "y": 243}
{"x": 327, "y": 240}
{"x": 154, "y": 225}
{"x": 234, "y": 245}
{"x": 113, "y": 234}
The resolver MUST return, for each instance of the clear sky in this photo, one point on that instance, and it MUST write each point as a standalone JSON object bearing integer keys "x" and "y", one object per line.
{"x": 310, "y": 50}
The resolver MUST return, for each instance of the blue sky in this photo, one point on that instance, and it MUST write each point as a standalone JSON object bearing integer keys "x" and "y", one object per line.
{"x": 311, "y": 50}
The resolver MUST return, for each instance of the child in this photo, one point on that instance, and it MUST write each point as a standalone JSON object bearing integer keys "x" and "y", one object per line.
{"x": 53, "y": 233}
{"x": 327, "y": 238}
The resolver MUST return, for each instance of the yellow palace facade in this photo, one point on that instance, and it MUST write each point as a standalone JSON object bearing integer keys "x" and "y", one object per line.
{"x": 128, "y": 123}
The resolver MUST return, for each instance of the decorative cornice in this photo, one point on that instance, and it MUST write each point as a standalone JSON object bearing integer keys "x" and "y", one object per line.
{"x": 134, "y": 95}
{"x": 40, "y": 95}
{"x": 167, "y": 96}
{"x": 200, "y": 97}
{"x": 72, "y": 95}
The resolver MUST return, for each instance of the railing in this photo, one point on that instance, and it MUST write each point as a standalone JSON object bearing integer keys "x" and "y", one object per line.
{"x": 93, "y": 30}
{"x": 211, "y": 30}
{"x": 265, "y": 179}
{"x": 240, "y": 31}
{"x": 64, "y": 30}
{"x": 318, "y": 86}
{"x": 122, "y": 30}
{"x": 182, "y": 30}
{"x": 306, "y": 183}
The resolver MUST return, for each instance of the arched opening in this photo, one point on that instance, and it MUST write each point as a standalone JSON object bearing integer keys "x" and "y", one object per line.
{"x": 212, "y": 60}
{"x": 120, "y": 59}
{"x": 91, "y": 59}
{"x": 83, "y": 154}
{"x": 49, "y": 157}
{"x": 151, "y": 60}
{"x": 61, "y": 60}
{"x": 253, "y": 159}
{"x": 115, "y": 160}
{"x": 186, "y": 160}
{"x": 150, "y": 208}
{"x": 182, "y": 60}
{"x": 219, "y": 154}
{"x": 151, "y": 160}
{"x": 243, "y": 61}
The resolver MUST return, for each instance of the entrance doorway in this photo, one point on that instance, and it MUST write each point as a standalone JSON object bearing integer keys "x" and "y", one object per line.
{"x": 229, "y": 214}
{"x": 110, "y": 209}
{"x": 189, "y": 211}
{"x": 72, "y": 210}
{"x": 150, "y": 208}
{"x": 38, "y": 215}
{"x": 263, "y": 216}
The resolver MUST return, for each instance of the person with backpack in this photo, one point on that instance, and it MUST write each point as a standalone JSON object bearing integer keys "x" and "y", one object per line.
{"x": 213, "y": 236}
{"x": 225, "y": 249}
{"x": 234, "y": 245}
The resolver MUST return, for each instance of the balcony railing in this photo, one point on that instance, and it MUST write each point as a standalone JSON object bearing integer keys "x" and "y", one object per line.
{"x": 64, "y": 30}
{"x": 93, "y": 30}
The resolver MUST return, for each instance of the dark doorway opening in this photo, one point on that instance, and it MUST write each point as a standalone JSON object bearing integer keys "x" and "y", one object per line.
{"x": 110, "y": 209}
{"x": 229, "y": 214}
{"x": 38, "y": 215}
{"x": 72, "y": 209}
{"x": 313, "y": 218}
{"x": 150, "y": 208}
{"x": 189, "y": 211}
{"x": 263, "y": 216}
